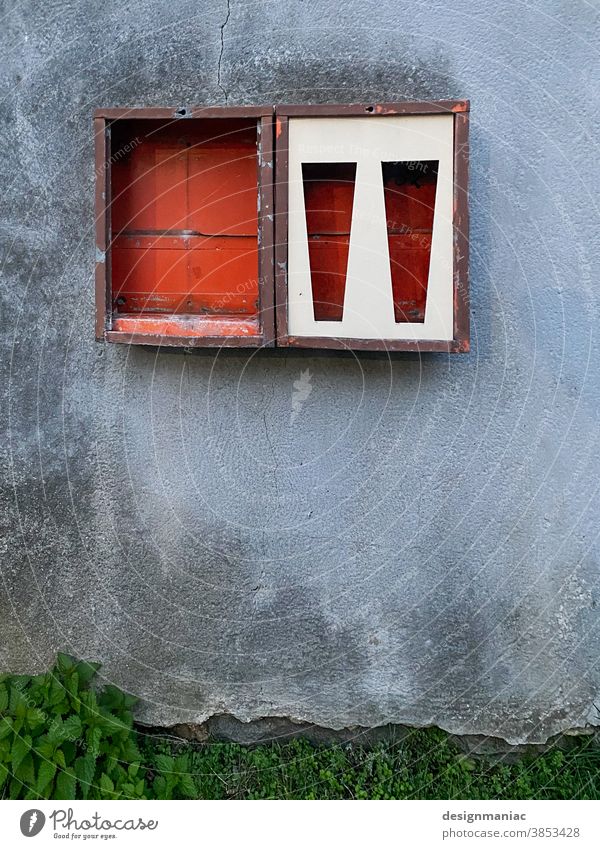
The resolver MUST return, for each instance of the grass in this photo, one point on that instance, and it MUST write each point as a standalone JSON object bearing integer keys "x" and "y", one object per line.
{"x": 424, "y": 765}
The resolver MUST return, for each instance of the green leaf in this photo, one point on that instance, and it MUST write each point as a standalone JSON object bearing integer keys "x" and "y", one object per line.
{"x": 182, "y": 763}
{"x": 65, "y": 785}
{"x": 72, "y": 728}
{"x": 88, "y": 707}
{"x": 72, "y": 685}
{"x": 93, "y": 739}
{"x": 14, "y": 789}
{"x": 59, "y": 759}
{"x": 160, "y": 787}
{"x": 6, "y": 726}
{"x": 57, "y": 693}
{"x": 69, "y": 750}
{"x": 187, "y": 786}
{"x": 21, "y": 747}
{"x": 111, "y": 697}
{"x": 46, "y": 773}
{"x": 86, "y": 671}
{"x": 89, "y": 699}
{"x": 164, "y": 763}
{"x": 4, "y": 773}
{"x": 111, "y": 723}
{"x": 111, "y": 764}
{"x": 129, "y": 701}
{"x": 35, "y": 718}
{"x": 65, "y": 663}
{"x": 26, "y": 770}
{"x": 18, "y": 703}
{"x": 106, "y": 784}
{"x": 45, "y": 748}
{"x": 3, "y": 698}
{"x": 85, "y": 769}
{"x": 129, "y": 751}
{"x": 56, "y": 732}
{"x": 32, "y": 794}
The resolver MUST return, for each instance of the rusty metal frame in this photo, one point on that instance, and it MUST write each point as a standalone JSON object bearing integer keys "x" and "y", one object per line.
{"x": 460, "y": 109}
{"x": 104, "y": 313}
{"x": 102, "y": 206}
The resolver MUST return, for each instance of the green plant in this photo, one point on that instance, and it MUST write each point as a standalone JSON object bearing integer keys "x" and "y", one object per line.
{"x": 173, "y": 779}
{"x": 61, "y": 739}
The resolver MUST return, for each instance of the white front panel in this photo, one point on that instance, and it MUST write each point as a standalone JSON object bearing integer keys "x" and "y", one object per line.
{"x": 368, "y": 306}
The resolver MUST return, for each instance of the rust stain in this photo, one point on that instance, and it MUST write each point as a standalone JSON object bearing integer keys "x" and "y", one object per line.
{"x": 277, "y": 127}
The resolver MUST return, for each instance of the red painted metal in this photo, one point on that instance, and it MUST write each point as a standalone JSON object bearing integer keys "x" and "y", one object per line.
{"x": 185, "y": 219}
{"x": 409, "y": 191}
{"x": 189, "y": 325}
{"x": 184, "y": 226}
{"x": 328, "y": 202}
{"x": 185, "y": 274}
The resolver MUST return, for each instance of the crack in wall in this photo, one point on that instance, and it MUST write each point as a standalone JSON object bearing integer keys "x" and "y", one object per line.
{"x": 223, "y": 25}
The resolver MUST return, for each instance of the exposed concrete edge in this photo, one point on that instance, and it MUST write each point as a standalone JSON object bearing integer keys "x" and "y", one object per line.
{"x": 535, "y": 729}
{"x": 246, "y": 727}
{"x": 278, "y": 729}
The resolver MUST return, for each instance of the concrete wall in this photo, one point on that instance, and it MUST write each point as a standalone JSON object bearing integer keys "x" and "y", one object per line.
{"x": 420, "y": 545}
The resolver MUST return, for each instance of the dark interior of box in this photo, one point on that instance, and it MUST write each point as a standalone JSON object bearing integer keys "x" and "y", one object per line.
{"x": 184, "y": 218}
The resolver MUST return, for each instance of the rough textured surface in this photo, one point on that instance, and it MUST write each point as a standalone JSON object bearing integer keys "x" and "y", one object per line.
{"x": 419, "y": 545}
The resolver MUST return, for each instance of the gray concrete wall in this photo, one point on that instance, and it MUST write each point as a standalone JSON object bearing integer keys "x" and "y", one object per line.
{"x": 421, "y": 546}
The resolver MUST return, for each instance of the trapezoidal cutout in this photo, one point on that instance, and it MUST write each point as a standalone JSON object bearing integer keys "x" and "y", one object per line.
{"x": 184, "y": 221}
{"x": 409, "y": 190}
{"x": 328, "y": 201}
